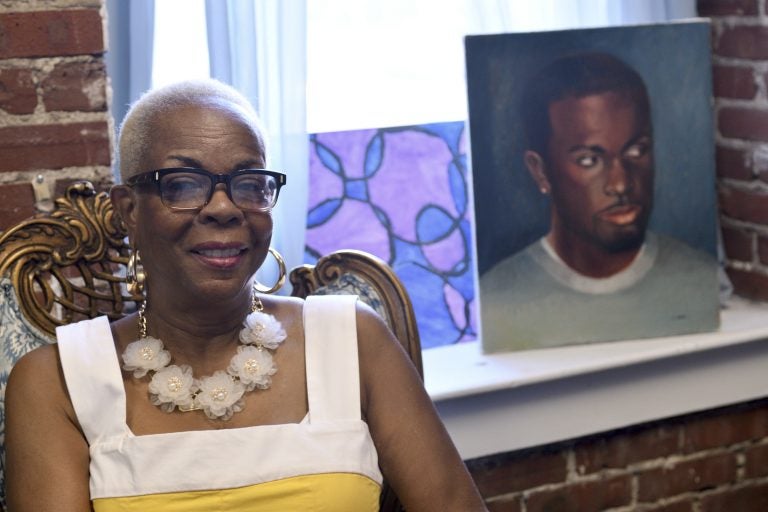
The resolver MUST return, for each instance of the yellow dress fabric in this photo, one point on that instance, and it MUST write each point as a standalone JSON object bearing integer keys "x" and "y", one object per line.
{"x": 325, "y": 463}
{"x": 338, "y": 492}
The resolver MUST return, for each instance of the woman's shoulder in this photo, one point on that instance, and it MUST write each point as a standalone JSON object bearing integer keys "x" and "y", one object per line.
{"x": 282, "y": 302}
{"x": 278, "y": 304}
{"x": 371, "y": 328}
{"x": 368, "y": 317}
{"x": 374, "y": 336}
{"x": 40, "y": 359}
{"x": 37, "y": 375}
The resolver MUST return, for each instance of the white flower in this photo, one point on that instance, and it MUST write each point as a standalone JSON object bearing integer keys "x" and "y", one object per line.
{"x": 220, "y": 395}
{"x": 144, "y": 355}
{"x": 172, "y": 386}
{"x": 262, "y": 329}
{"x": 253, "y": 366}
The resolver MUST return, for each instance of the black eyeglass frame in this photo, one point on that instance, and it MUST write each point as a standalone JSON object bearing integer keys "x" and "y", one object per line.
{"x": 156, "y": 175}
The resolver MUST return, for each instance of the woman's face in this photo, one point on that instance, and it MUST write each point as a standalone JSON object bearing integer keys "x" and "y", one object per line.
{"x": 215, "y": 250}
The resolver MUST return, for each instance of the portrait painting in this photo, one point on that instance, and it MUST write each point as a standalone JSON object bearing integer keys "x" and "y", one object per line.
{"x": 592, "y": 160}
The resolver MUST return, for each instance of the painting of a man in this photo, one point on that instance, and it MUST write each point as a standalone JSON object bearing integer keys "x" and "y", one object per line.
{"x": 598, "y": 273}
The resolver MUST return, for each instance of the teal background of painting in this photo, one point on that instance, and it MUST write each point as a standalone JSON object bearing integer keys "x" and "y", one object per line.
{"x": 673, "y": 59}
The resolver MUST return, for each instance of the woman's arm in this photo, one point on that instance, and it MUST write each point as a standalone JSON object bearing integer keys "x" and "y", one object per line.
{"x": 46, "y": 453}
{"x": 416, "y": 454}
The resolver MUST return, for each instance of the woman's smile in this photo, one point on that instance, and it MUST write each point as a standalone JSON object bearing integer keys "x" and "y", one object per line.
{"x": 220, "y": 255}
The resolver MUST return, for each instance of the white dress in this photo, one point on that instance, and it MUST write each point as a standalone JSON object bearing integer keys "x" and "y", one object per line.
{"x": 326, "y": 462}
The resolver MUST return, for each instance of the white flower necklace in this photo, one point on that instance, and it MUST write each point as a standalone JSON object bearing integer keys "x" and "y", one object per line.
{"x": 219, "y": 395}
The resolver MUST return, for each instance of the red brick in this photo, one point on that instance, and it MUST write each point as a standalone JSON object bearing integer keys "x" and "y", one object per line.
{"x": 733, "y": 163}
{"x": 730, "y": 427}
{"x": 505, "y": 475}
{"x": 76, "y": 86}
{"x": 765, "y": 76}
{"x": 689, "y": 476}
{"x": 17, "y": 91}
{"x": 743, "y": 42}
{"x": 760, "y": 162}
{"x": 746, "y": 205}
{"x": 619, "y": 451}
{"x": 583, "y": 496}
{"x": 17, "y": 202}
{"x": 750, "y": 285}
{"x": 734, "y": 82}
{"x": 54, "y": 146}
{"x": 738, "y": 244}
{"x": 743, "y": 123}
{"x": 756, "y": 461}
{"x": 726, "y": 7}
{"x": 506, "y": 505}
{"x": 51, "y": 33}
{"x": 762, "y": 249}
{"x": 685, "y": 505}
{"x": 746, "y": 499}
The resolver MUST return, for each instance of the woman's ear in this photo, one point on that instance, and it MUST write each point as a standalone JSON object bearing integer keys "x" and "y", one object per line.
{"x": 536, "y": 168}
{"x": 124, "y": 200}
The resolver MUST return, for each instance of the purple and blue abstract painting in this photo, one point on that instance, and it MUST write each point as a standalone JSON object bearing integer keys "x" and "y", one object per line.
{"x": 401, "y": 194}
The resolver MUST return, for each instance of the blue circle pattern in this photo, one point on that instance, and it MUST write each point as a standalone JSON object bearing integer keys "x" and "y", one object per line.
{"x": 425, "y": 282}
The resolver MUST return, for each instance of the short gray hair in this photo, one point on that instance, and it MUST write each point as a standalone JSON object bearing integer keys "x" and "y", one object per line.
{"x": 136, "y": 129}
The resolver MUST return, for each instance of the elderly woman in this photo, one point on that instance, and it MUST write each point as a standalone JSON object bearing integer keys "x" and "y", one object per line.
{"x": 214, "y": 396}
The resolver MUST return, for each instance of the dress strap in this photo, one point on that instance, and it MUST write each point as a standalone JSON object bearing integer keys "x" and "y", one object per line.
{"x": 333, "y": 375}
{"x": 92, "y": 373}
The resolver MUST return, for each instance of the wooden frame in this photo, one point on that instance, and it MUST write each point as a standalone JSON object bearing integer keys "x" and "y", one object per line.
{"x": 65, "y": 266}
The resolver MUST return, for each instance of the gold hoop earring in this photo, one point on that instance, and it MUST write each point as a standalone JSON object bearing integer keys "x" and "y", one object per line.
{"x": 258, "y": 288}
{"x": 135, "y": 277}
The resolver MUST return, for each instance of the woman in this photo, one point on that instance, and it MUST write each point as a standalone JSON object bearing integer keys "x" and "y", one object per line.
{"x": 213, "y": 396}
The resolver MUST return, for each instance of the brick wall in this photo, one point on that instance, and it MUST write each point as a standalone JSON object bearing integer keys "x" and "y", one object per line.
{"x": 740, "y": 71}
{"x": 54, "y": 124}
{"x": 716, "y": 461}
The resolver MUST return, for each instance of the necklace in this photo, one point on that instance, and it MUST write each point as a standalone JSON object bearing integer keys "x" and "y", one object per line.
{"x": 219, "y": 395}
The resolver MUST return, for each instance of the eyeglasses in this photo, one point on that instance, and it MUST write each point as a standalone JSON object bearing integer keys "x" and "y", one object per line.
{"x": 187, "y": 188}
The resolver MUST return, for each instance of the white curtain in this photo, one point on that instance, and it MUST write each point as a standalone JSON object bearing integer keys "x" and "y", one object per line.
{"x": 259, "y": 47}
{"x": 492, "y": 16}
{"x": 129, "y": 54}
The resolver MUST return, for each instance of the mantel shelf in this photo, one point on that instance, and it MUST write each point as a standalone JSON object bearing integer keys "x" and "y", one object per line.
{"x": 500, "y": 402}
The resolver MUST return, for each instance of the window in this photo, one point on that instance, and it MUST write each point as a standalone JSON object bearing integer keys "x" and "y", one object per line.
{"x": 181, "y": 42}
{"x": 373, "y": 65}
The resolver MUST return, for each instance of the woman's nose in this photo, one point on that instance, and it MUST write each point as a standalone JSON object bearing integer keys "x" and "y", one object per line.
{"x": 220, "y": 208}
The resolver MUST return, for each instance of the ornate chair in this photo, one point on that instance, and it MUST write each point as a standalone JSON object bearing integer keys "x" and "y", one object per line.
{"x": 68, "y": 265}
{"x": 354, "y": 272}
{"x": 58, "y": 268}
{"x": 359, "y": 273}
{"x": 61, "y": 267}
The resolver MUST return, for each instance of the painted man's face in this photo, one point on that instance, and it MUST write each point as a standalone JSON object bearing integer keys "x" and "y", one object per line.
{"x": 600, "y": 169}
